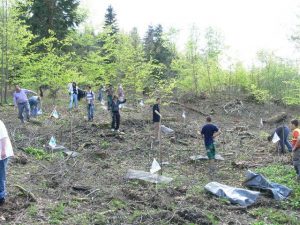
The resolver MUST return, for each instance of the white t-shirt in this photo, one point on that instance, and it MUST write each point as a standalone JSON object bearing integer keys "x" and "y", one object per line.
{"x": 6, "y": 149}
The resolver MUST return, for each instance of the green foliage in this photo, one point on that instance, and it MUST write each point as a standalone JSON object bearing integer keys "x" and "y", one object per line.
{"x": 57, "y": 214}
{"x": 32, "y": 210}
{"x": 39, "y": 154}
{"x": 117, "y": 204}
{"x": 258, "y": 95}
{"x": 284, "y": 175}
{"x": 104, "y": 144}
{"x": 212, "y": 218}
{"x": 55, "y": 56}
{"x": 110, "y": 20}
{"x": 274, "y": 216}
{"x": 45, "y": 15}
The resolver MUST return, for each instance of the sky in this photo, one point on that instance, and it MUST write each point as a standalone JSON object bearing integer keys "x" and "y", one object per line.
{"x": 246, "y": 25}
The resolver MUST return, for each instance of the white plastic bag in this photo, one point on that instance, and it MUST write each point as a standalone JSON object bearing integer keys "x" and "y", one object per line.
{"x": 275, "y": 138}
{"x": 155, "y": 167}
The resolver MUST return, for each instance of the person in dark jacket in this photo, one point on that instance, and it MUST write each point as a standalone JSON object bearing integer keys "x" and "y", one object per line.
{"x": 283, "y": 133}
{"x": 115, "y": 106}
{"x": 156, "y": 119}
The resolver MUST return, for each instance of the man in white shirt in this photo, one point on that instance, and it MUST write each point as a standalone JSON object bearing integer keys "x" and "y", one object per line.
{"x": 6, "y": 151}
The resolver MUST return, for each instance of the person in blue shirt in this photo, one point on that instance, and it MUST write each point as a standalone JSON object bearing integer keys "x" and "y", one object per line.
{"x": 209, "y": 131}
{"x": 283, "y": 133}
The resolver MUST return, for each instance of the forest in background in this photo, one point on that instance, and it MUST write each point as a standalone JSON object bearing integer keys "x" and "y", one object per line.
{"x": 48, "y": 44}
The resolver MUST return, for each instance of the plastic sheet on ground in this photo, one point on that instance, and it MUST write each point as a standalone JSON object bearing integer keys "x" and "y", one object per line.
{"x": 146, "y": 176}
{"x": 257, "y": 181}
{"x": 71, "y": 153}
{"x": 201, "y": 157}
{"x": 166, "y": 130}
{"x": 235, "y": 195}
{"x": 57, "y": 148}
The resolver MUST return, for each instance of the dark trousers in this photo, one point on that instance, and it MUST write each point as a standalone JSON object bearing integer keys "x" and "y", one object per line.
{"x": 115, "y": 124}
{"x": 109, "y": 101}
{"x": 24, "y": 107}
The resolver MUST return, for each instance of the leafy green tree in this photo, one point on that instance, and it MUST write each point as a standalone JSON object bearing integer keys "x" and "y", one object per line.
{"x": 17, "y": 46}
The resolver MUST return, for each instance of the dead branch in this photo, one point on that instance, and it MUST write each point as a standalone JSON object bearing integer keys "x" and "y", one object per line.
{"x": 276, "y": 119}
{"x": 27, "y": 193}
{"x": 232, "y": 106}
{"x": 188, "y": 107}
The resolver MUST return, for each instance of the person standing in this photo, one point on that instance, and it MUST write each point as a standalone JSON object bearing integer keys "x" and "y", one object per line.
{"x": 110, "y": 93}
{"x": 90, "y": 98}
{"x": 156, "y": 119}
{"x": 283, "y": 134}
{"x": 209, "y": 131}
{"x": 296, "y": 147}
{"x": 73, "y": 92}
{"x": 100, "y": 94}
{"x": 21, "y": 102}
{"x": 6, "y": 151}
{"x": 115, "y": 106}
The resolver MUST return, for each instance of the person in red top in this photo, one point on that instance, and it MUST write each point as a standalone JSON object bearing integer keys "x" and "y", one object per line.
{"x": 296, "y": 147}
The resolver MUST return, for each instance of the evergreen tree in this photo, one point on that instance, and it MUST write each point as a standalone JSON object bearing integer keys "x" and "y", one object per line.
{"x": 60, "y": 16}
{"x": 155, "y": 46}
{"x": 149, "y": 45}
{"x": 111, "y": 20}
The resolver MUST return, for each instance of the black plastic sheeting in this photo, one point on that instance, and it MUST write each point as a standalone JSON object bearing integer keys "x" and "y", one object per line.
{"x": 235, "y": 195}
{"x": 259, "y": 182}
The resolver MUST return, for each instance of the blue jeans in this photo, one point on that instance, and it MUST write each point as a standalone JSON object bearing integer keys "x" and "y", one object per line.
{"x": 284, "y": 142}
{"x": 73, "y": 98}
{"x": 34, "y": 107}
{"x": 3, "y": 164}
{"x": 24, "y": 106}
{"x": 90, "y": 109}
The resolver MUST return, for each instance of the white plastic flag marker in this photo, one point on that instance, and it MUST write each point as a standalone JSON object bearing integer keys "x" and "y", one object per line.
{"x": 155, "y": 167}
{"x": 261, "y": 122}
{"x": 275, "y": 138}
{"x": 52, "y": 142}
{"x": 183, "y": 115}
{"x": 142, "y": 103}
{"x": 54, "y": 114}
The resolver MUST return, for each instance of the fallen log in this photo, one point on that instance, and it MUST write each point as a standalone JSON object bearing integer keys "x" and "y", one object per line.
{"x": 276, "y": 119}
{"x": 190, "y": 108}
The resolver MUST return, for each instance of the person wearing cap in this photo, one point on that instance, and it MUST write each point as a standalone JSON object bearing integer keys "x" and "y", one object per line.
{"x": 6, "y": 151}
